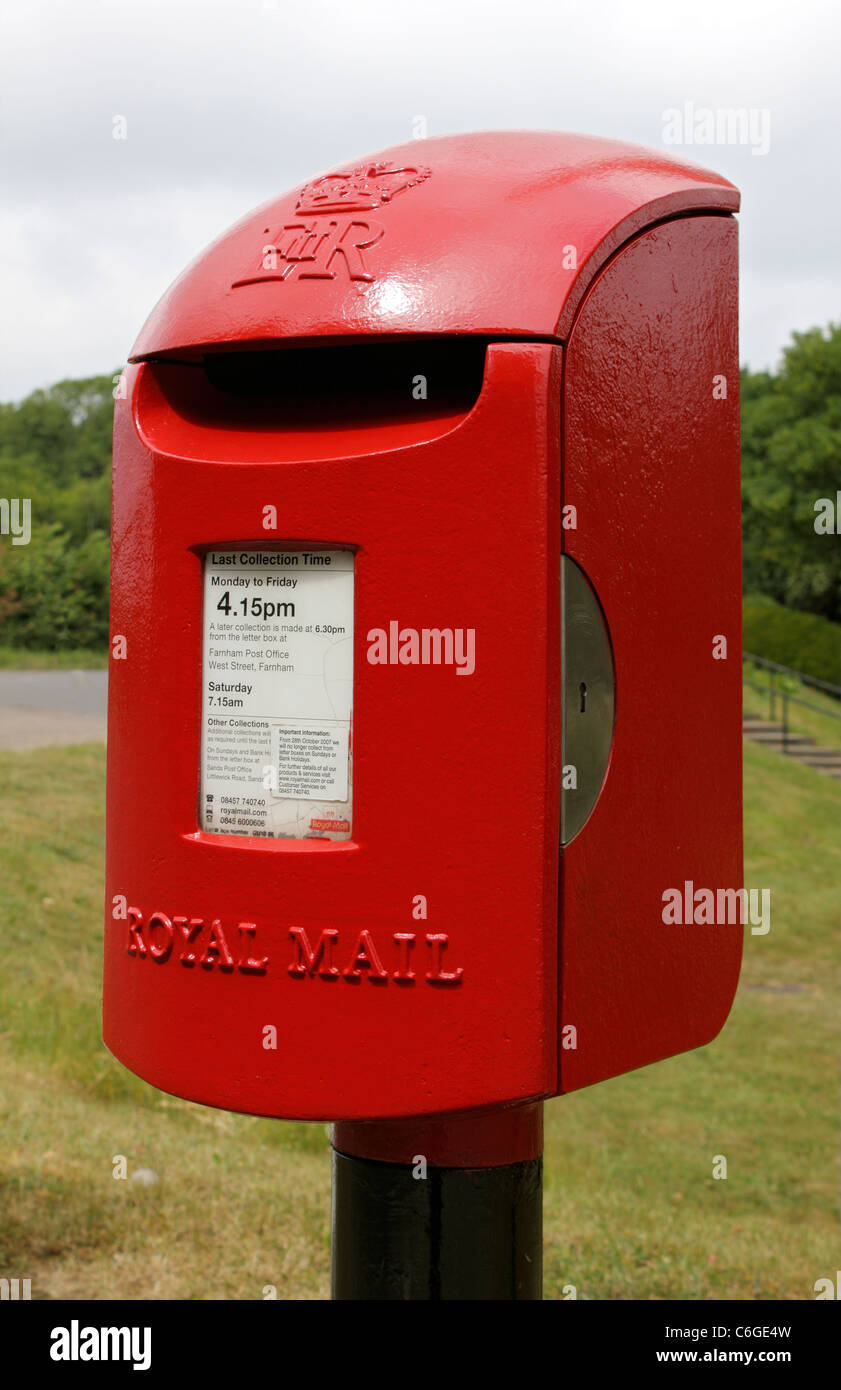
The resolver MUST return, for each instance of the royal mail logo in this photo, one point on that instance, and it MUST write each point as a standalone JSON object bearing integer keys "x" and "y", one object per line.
{"x": 327, "y": 239}
{"x": 362, "y": 189}
{"x": 232, "y": 947}
{"x": 368, "y": 958}
{"x": 317, "y": 251}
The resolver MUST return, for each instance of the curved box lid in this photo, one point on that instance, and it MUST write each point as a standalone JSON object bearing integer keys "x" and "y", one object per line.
{"x": 496, "y": 234}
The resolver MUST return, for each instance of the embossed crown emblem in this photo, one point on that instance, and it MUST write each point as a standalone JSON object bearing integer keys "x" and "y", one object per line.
{"x": 360, "y": 189}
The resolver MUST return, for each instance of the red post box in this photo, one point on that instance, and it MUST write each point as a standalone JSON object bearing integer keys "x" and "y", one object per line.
{"x": 424, "y": 709}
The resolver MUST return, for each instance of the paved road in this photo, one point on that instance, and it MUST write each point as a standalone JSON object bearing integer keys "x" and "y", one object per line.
{"x": 43, "y": 708}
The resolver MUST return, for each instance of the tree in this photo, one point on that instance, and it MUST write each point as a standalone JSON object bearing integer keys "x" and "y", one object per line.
{"x": 791, "y": 457}
{"x": 55, "y": 451}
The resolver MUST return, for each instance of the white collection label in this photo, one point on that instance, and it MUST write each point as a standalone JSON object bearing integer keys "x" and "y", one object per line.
{"x": 277, "y": 693}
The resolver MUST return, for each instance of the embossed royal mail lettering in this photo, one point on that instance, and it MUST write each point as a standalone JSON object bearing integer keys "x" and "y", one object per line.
{"x": 210, "y": 944}
{"x": 194, "y": 941}
{"x": 311, "y": 248}
{"x": 363, "y": 958}
{"x": 317, "y": 251}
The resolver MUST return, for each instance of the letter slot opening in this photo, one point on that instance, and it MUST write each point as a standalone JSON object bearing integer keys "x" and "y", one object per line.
{"x": 297, "y": 403}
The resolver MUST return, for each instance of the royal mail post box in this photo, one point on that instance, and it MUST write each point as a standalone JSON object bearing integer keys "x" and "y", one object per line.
{"x": 424, "y": 711}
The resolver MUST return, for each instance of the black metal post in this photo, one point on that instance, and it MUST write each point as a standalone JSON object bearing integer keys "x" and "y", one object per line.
{"x": 785, "y": 720}
{"x": 418, "y": 1230}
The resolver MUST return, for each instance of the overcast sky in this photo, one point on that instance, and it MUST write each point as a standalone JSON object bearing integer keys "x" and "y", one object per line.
{"x": 228, "y": 102}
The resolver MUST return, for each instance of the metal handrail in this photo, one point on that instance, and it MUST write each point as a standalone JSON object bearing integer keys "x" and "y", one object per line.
{"x": 795, "y": 699}
{"x": 785, "y": 696}
{"x": 790, "y": 671}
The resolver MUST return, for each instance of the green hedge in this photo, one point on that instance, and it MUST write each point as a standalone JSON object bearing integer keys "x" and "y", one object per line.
{"x": 54, "y": 591}
{"x": 802, "y": 640}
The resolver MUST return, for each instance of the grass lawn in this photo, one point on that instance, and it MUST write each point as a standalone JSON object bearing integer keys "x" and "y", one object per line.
{"x": 73, "y": 659}
{"x": 631, "y": 1210}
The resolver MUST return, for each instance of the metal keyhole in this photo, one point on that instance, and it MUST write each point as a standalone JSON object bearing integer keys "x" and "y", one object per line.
{"x": 587, "y": 698}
